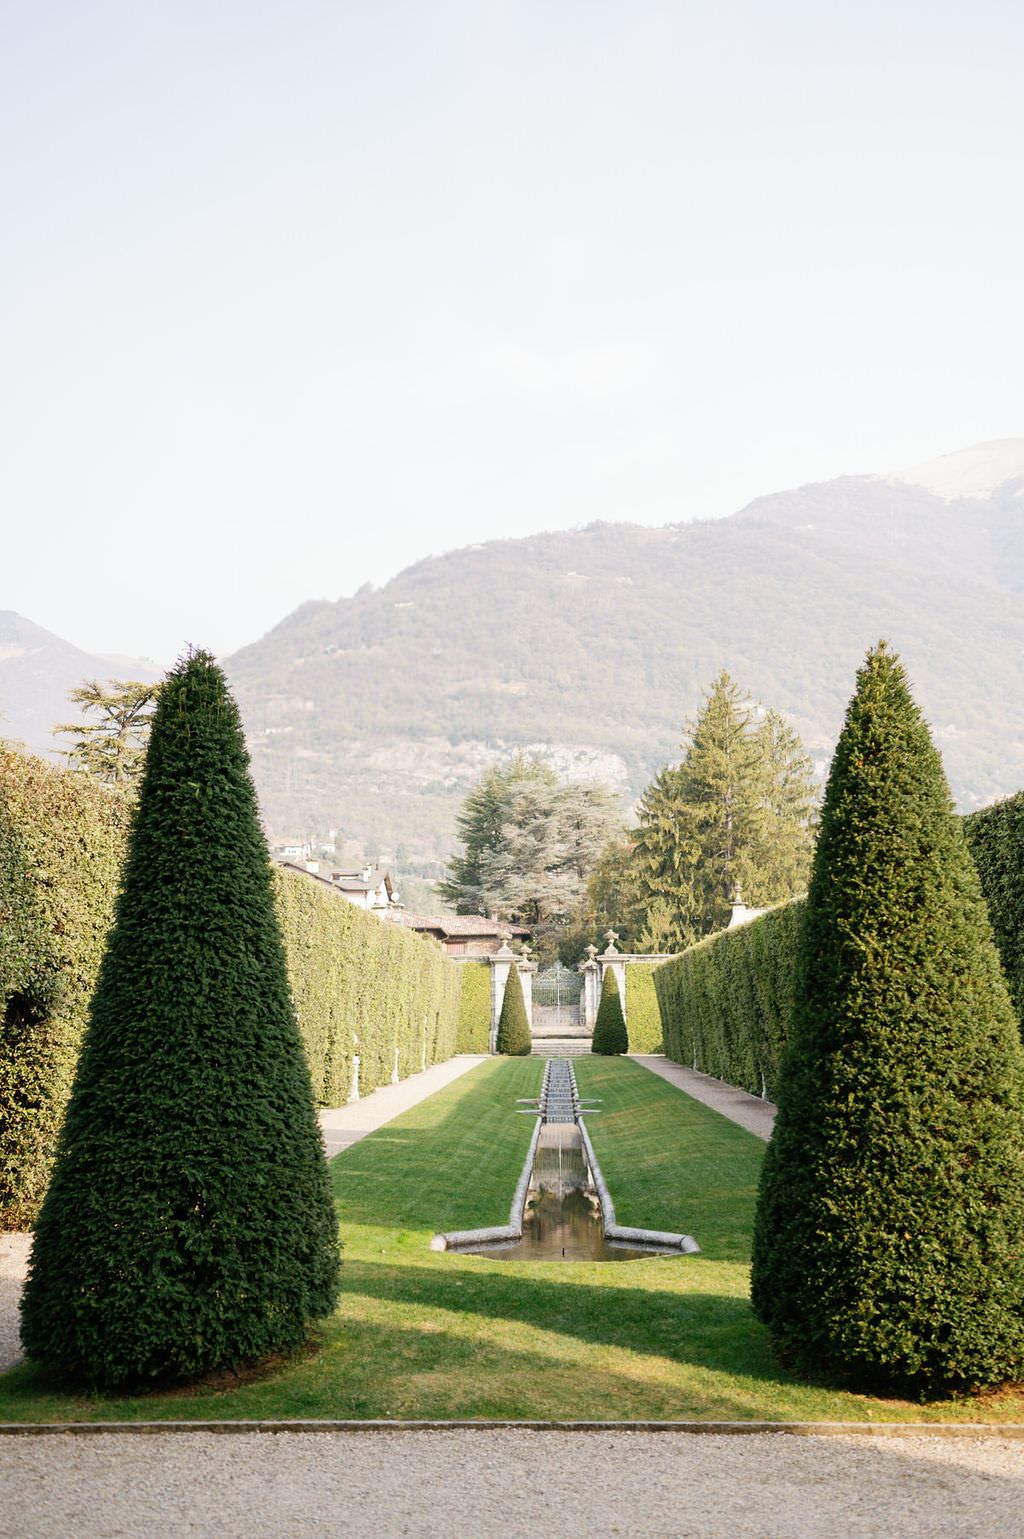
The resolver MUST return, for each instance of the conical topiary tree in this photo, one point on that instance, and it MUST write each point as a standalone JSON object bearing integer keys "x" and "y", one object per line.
{"x": 610, "y": 1034}
{"x": 189, "y": 1223}
{"x": 889, "y": 1239}
{"x": 513, "y": 1036}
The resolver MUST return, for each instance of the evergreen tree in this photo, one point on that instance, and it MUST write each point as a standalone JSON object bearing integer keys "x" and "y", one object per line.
{"x": 513, "y": 1037}
{"x": 614, "y": 901}
{"x": 114, "y": 747}
{"x": 610, "y": 1035}
{"x": 530, "y": 842}
{"x": 189, "y": 1223}
{"x": 733, "y": 818}
{"x": 889, "y": 1240}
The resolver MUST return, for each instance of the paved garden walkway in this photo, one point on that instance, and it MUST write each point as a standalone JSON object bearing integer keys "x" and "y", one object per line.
{"x": 344, "y": 1125}
{"x": 749, "y": 1111}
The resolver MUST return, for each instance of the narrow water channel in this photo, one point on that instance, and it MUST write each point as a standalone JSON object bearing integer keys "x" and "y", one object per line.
{"x": 562, "y": 1218}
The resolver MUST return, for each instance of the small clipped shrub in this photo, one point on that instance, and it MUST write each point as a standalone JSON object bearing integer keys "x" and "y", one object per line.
{"x": 513, "y": 1037}
{"x": 889, "y": 1236}
{"x": 474, "y": 1033}
{"x": 189, "y": 1224}
{"x": 610, "y": 1027}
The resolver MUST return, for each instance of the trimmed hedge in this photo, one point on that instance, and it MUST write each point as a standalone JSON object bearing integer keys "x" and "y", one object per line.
{"x": 995, "y": 838}
{"x": 474, "y": 1033}
{"x": 889, "y": 1237}
{"x": 189, "y": 1224}
{"x": 513, "y": 1035}
{"x": 725, "y": 1002}
{"x": 643, "y": 1017}
{"x": 610, "y": 1027}
{"x": 363, "y": 986}
{"x": 62, "y": 840}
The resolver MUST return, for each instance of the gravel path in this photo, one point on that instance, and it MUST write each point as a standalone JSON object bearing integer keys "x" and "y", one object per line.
{"x": 512, "y": 1484}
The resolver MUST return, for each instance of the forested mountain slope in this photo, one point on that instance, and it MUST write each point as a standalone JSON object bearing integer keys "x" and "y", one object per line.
{"x": 375, "y": 713}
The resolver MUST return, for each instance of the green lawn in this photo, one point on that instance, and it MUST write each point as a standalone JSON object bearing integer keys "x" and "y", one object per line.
{"x": 425, "y": 1334}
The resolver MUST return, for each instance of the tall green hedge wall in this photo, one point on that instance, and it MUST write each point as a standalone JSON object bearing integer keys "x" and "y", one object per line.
{"x": 62, "y": 840}
{"x": 725, "y": 1002}
{"x": 474, "y": 1035}
{"x": 363, "y": 986}
{"x": 643, "y": 1017}
{"x": 995, "y": 837}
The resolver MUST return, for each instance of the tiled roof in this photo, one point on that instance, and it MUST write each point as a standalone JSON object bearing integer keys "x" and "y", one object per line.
{"x": 476, "y": 924}
{"x": 458, "y": 924}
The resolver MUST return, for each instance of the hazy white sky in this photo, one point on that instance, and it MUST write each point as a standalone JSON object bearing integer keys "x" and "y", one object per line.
{"x": 296, "y": 293}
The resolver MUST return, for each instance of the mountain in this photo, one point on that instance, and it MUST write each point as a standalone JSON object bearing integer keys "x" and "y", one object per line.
{"x": 373, "y": 715}
{"x": 37, "y": 669}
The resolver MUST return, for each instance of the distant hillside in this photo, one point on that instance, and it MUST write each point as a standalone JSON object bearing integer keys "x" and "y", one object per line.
{"x": 374, "y": 714}
{"x": 37, "y": 669}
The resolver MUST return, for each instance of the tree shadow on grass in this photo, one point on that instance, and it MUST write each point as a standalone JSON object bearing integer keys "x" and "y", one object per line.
{"x": 710, "y": 1334}
{"x": 708, "y": 1330}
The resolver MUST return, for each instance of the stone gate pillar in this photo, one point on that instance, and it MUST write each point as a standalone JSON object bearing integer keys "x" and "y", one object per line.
{"x": 526, "y": 972}
{"x": 592, "y": 976}
{"x": 500, "y": 962}
{"x": 613, "y": 958}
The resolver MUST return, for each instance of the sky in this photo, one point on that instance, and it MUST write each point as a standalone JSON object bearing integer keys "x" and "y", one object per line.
{"x": 295, "y": 294}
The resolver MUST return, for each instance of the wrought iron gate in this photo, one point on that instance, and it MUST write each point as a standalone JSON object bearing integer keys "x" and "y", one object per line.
{"x": 556, "y": 999}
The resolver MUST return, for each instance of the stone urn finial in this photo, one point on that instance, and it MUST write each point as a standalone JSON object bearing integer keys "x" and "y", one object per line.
{"x": 611, "y": 936}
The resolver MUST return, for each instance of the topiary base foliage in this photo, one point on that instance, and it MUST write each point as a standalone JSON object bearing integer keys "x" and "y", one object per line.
{"x": 513, "y": 1036}
{"x": 189, "y": 1224}
{"x": 610, "y": 1035}
{"x": 889, "y": 1239}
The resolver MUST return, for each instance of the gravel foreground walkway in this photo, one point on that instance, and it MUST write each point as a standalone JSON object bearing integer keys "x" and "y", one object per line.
{"x": 511, "y": 1484}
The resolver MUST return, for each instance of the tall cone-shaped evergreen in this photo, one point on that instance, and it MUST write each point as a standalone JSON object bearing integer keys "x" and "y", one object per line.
{"x": 189, "y": 1224}
{"x": 610, "y": 1026}
{"x": 513, "y": 1028}
{"x": 889, "y": 1239}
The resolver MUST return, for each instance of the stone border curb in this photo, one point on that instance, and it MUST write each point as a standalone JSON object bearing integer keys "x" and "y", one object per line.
{"x": 613, "y": 1231}
{"x": 890, "y": 1429}
{"x": 513, "y": 1230}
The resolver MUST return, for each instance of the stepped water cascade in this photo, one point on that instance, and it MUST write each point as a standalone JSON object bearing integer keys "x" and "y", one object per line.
{"x": 562, "y": 1210}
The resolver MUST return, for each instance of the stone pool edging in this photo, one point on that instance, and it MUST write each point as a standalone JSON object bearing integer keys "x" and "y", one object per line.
{"x": 457, "y": 1238}
{"x": 615, "y": 1233}
{"x": 619, "y": 1233}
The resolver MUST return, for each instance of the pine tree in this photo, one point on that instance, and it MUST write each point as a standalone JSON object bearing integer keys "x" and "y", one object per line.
{"x": 889, "y": 1241}
{"x": 610, "y": 1035}
{"x": 189, "y": 1224}
{"x": 733, "y": 817}
{"x": 530, "y": 842}
{"x": 513, "y": 1036}
{"x": 114, "y": 747}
